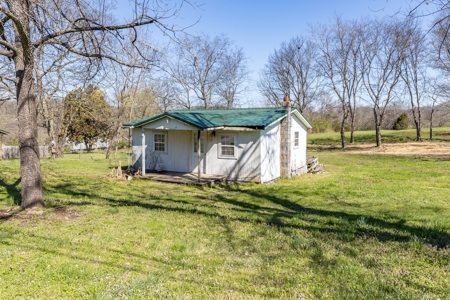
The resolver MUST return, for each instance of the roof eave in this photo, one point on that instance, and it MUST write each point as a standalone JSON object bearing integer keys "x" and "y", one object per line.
{"x": 159, "y": 117}
{"x": 302, "y": 118}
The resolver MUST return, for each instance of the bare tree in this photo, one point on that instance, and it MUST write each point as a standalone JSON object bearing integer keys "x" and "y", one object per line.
{"x": 236, "y": 79}
{"x": 434, "y": 98}
{"x": 166, "y": 95}
{"x": 340, "y": 48}
{"x": 438, "y": 95}
{"x": 382, "y": 66}
{"x": 440, "y": 10}
{"x": 120, "y": 80}
{"x": 81, "y": 27}
{"x": 135, "y": 94}
{"x": 291, "y": 72}
{"x": 414, "y": 70}
{"x": 202, "y": 68}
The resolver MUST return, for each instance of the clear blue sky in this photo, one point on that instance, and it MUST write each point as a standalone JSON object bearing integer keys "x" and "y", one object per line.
{"x": 261, "y": 26}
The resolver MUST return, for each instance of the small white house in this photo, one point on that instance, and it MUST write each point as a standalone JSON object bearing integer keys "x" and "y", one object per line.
{"x": 99, "y": 144}
{"x": 249, "y": 144}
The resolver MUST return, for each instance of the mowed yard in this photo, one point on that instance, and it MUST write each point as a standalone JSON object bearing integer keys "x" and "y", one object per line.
{"x": 372, "y": 226}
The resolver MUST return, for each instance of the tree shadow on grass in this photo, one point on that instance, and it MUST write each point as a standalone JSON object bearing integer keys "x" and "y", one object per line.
{"x": 366, "y": 226}
{"x": 12, "y": 190}
{"x": 275, "y": 210}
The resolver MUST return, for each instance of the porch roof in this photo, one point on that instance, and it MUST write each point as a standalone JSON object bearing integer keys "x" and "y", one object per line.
{"x": 257, "y": 118}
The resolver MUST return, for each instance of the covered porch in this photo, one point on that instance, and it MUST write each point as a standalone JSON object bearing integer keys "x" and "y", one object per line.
{"x": 184, "y": 178}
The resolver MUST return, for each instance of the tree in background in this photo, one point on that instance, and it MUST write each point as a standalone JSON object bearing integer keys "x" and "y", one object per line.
{"x": 87, "y": 116}
{"x": 382, "y": 65}
{"x": 339, "y": 63}
{"x": 236, "y": 79}
{"x": 291, "y": 71}
{"x": 206, "y": 71}
{"x": 324, "y": 114}
{"x": 402, "y": 122}
{"x": 414, "y": 70}
{"x": 52, "y": 71}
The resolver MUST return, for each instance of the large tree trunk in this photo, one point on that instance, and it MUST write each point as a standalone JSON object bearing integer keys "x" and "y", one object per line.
{"x": 30, "y": 167}
{"x": 29, "y": 148}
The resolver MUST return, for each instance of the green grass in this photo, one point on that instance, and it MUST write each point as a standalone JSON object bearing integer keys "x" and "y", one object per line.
{"x": 370, "y": 227}
{"x": 440, "y": 134}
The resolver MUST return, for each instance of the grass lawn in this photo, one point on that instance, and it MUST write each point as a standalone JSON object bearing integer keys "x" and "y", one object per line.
{"x": 370, "y": 227}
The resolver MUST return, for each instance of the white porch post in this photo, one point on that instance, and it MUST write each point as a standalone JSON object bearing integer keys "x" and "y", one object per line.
{"x": 199, "y": 146}
{"x": 143, "y": 152}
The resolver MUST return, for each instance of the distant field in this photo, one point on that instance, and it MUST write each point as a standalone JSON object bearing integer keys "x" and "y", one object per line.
{"x": 440, "y": 134}
{"x": 370, "y": 227}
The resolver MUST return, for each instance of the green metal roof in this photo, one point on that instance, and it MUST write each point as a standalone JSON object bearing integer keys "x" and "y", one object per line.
{"x": 257, "y": 118}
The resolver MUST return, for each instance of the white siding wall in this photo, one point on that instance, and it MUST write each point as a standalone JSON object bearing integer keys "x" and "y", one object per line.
{"x": 270, "y": 153}
{"x": 137, "y": 147}
{"x": 298, "y": 154}
{"x": 176, "y": 158}
{"x": 246, "y": 166}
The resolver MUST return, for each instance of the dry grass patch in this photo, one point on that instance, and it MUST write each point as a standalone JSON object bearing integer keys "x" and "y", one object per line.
{"x": 418, "y": 149}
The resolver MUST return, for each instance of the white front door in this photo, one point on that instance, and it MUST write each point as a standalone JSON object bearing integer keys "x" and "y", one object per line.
{"x": 194, "y": 152}
{"x": 178, "y": 151}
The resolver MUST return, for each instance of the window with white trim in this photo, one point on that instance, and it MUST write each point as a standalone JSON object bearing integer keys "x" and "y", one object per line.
{"x": 227, "y": 146}
{"x": 296, "y": 139}
{"x": 160, "y": 142}
{"x": 202, "y": 143}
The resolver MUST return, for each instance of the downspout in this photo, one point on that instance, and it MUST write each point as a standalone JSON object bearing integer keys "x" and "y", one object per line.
{"x": 129, "y": 158}
{"x": 198, "y": 155}
{"x": 143, "y": 151}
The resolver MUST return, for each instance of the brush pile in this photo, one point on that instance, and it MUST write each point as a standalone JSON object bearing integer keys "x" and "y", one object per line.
{"x": 119, "y": 174}
{"x": 313, "y": 165}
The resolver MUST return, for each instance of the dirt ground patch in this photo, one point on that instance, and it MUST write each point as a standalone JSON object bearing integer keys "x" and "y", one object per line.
{"x": 61, "y": 213}
{"x": 444, "y": 135}
{"x": 438, "y": 150}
